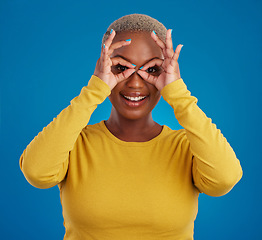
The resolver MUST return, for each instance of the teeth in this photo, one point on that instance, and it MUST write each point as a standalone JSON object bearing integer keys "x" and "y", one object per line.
{"x": 135, "y": 98}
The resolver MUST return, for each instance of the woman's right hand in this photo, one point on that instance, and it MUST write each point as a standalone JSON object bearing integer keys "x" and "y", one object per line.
{"x": 105, "y": 63}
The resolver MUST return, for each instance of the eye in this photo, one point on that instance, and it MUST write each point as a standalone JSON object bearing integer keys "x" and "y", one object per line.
{"x": 121, "y": 68}
{"x": 156, "y": 70}
{"x": 151, "y": 70}
{"x": 116, "y": 69}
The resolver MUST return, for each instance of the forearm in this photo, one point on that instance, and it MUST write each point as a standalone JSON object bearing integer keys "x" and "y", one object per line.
{"x": 45, "y": 160}
{"x": 215, "y": 166}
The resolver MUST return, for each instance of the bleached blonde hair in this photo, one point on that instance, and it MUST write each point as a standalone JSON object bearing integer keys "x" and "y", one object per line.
{"x": 137, "y": 23}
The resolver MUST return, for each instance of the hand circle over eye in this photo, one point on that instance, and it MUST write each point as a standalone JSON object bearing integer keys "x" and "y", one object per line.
{"x": 169, "y": 65}
{"x": 105, "y": 63}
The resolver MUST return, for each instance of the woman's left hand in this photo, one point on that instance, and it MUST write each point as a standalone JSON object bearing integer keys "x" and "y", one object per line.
{"x": 169, "y": 65}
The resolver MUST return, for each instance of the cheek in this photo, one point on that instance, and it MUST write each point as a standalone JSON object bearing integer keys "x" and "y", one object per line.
{"x": 154, "y": 92}
{"x": 155, "y": 97}
{"x": 111, "y": 98}
{"x": 114, "y": 97}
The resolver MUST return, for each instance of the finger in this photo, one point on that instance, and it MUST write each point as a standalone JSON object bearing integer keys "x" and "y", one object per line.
{"x": 177, "y": 52}
{"x": 117, "y": 45}
{"x": 105, "y": 46}
{"x": 105, "y": 60}
{"x": 147, "y": 77}
{"x": 169, "y": 44}
{"x": 109, "y": 40}
{"x": 159, "y": 42}
{"x": 119, "y": 60}
{"x": 124, "y": 75}
{"x": 152, "y": 63}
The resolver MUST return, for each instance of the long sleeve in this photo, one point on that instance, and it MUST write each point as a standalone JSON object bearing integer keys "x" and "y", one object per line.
{"x": 45, "y": 160}
{"x": 215, "y": 166}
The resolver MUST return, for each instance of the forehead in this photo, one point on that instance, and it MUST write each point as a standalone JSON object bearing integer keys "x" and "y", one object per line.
{"x": 142, "y": 48}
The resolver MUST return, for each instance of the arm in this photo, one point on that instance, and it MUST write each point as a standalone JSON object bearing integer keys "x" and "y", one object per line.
{"x": 45, "y": 160}
{"x": 215, "y": 167}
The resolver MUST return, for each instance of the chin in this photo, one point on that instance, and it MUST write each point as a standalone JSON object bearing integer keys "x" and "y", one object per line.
{"x": 135, "y": 115}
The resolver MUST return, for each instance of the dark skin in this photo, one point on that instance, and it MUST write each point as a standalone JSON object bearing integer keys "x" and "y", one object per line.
{"x": 127, "y": 123}
{"x": 132, "y": 121}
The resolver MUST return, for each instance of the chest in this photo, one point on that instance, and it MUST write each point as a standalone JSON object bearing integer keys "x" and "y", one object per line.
{"x": 110, "y": 185}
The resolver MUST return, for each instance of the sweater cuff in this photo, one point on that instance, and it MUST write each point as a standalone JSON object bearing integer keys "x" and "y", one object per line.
{"x": 174, "y": 89}
{"x": 96, "y": 89}
{"x": 96, "y": 83}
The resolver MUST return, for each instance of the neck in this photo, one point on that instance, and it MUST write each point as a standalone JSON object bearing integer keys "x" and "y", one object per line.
{"x": 133, "y": 130}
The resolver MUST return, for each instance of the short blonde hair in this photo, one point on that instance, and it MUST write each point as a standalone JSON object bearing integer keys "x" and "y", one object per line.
{"x": 137, "y": 23}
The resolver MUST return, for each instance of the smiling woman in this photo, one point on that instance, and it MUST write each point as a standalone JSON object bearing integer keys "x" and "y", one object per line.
{"x": 129, "y": 177}
{"x": 135, "y": 99}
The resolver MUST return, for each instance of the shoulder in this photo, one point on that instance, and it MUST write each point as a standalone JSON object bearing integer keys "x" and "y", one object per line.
{"x": 175, "y": 138}
{"x": 174, "y": 134}
{"x": 94, "y": 130}
{"x": 90, "y": 133}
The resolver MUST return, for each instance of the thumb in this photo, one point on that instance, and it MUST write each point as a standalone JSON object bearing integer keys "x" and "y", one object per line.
{"x": 147, "y": 77}
{"x": 124, "y": 75}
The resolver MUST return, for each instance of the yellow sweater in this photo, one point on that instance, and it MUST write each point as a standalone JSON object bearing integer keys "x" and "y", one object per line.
{"x": 116, "y": 190}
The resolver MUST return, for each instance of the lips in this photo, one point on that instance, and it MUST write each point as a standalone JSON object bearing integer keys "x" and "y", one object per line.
{"x": 134, "y": 99}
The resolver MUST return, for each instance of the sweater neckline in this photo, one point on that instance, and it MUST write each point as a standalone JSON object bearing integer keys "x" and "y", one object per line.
{"x": 121, "y": 142}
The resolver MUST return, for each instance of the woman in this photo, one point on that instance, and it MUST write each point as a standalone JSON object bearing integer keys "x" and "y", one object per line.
{"x": 129, "y": 177}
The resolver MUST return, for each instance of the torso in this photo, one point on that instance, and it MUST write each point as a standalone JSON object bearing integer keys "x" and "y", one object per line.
{"x": 129, "y": 190}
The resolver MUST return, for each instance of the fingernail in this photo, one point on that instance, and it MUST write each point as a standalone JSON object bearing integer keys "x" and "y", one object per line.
{"x": 104, "y": 46}
{"x": 182, "y": 46}
{"x": 154, "y": 32}
{"x": 128, "y": 40}
{"x": 134, "y": 65}
{"x": 171, "y": 31}
{"x": 111, "y": 31}
{"x": 141, "y": 67}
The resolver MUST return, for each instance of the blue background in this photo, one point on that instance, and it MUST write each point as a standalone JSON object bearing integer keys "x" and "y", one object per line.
{"x": 48, "y": 53}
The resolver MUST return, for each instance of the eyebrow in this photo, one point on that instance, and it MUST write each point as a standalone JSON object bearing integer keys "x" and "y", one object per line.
{"x": 143, "y": 64}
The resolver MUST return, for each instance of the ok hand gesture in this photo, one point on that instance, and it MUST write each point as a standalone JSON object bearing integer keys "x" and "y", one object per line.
{"x": 104, "y": 63}
{"x": 169, "y": 65}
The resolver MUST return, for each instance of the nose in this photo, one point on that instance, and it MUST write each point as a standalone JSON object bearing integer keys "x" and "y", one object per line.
{"x": 135, "y": 81}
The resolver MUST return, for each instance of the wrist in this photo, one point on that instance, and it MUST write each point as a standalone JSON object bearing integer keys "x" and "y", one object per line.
{"x": 168, "y": 82}
{"x": 172, "y": 87}
{"x": 105, "y": 80}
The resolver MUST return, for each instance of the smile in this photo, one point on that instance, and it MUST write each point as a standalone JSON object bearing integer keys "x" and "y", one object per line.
{"x": 135, "y": 99}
